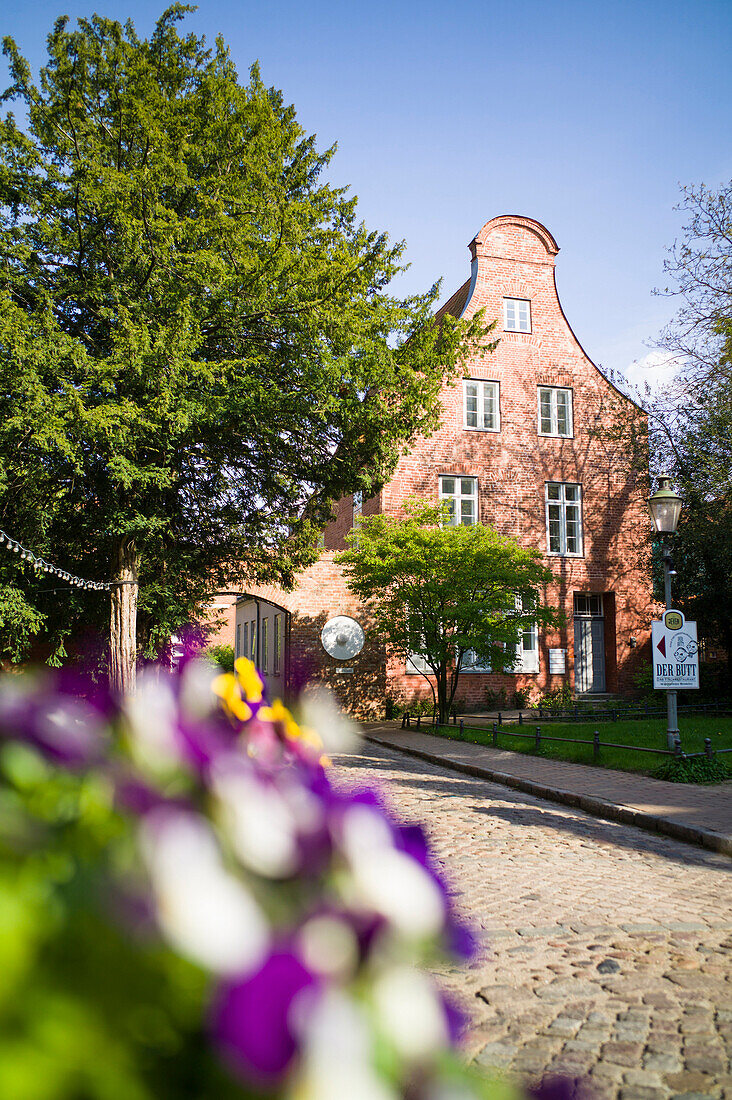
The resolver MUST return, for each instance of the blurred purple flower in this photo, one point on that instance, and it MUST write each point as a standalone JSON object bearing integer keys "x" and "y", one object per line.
{"x": 552, "y": 1088}
{"x": 67, "y": 729}
{"x": 252, "y": 1019}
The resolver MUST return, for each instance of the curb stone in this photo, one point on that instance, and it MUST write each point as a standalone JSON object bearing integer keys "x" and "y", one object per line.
{"x": 596, "y": 807}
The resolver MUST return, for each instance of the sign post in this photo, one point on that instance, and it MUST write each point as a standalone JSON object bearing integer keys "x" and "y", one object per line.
{"x": 675, "y": 661}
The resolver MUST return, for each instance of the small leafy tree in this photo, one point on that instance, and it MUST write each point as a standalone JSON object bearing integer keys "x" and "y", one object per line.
{"x": 442, "y": 590}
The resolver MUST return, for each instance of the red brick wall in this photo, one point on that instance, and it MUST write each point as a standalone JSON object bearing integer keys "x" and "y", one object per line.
{"x": 513, "y": 257}
{"x": 222, "y": 615}
{"x": 321, "y": 594}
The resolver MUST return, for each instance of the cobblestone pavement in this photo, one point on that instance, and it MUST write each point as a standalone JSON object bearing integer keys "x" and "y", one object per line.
{"x": 608, "y": 951}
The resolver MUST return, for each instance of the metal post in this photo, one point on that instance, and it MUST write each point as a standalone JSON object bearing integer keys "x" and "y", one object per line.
{"x": 500, "y": 718}
{"x": 538, "y": 737}
{"x": 495, "y": 733}
{"x": 462, "y": 726}
{"x": 521, "y": 719}
{"x": 672, "y": 726}
{"x": 596, "y": 745}
{"x": 708, "y": 747}
{"x": 419, "y": 719}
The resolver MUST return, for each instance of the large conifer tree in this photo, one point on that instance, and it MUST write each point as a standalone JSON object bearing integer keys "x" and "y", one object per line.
{"x": 198, "y": 350}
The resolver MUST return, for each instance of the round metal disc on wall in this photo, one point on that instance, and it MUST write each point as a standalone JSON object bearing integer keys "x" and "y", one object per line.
{"x": 342, "y": 637}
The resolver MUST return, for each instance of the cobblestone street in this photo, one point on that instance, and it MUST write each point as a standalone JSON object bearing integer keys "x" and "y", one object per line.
{"x": 608, "y": 951}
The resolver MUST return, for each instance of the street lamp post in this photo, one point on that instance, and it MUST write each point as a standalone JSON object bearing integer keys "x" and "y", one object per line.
{"x": 665, "y": 509}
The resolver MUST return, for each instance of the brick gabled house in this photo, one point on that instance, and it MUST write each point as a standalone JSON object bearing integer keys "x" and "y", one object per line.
{"x": 524, "y": 446}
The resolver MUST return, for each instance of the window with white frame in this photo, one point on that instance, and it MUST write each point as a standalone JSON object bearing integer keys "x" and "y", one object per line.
{"x": 525, "y": 652}
{"x": 527, "y": 649}
{"x": 238, "y": 639}
{"x": 264, "y": 630}
{"x": 253, "y": 641}
{"x": 516, "y": 315}
{"x": 555, "y": 411}
{"x": 473, "y": 663}
{"x": 357, "y": 504}
{"x": 416, "y": 663}
{"x": 564, "y": 518}
{"x": 277, "y": 644}
{"x": 461, "y": 495}
{"x": 245, "y": 647}
{"x": 481, "y": 409}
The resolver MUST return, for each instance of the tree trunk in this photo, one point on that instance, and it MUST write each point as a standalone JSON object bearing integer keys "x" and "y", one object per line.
{"x": 123, "y": 618}
{"x": 443, "y": 706}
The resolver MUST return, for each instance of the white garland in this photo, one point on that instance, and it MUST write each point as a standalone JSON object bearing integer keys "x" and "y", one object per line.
{"x": 43, "y": 566}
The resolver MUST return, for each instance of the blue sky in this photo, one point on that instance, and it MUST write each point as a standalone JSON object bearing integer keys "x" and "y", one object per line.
{"x": 587, "y": 117}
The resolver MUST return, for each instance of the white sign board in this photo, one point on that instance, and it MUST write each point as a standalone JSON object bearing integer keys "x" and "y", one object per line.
{"x": 675, "y": 652}
{"x": 557, "y": 661}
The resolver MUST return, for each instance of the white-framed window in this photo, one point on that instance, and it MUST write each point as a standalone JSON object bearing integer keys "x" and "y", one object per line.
{"x": 238, "y": 640}
{"x": 264, "y": 643}
{"x": 527, "y": 649}
{"x": 516, "y": 315}
{"x": 277, "y": 644}
{"x": 564, "y": 518}
{"x": 253, "y": 641}
{"x": 481, "y": 406}
{"x": 357, "y": 503}
{"x": 461, "y": 494}
{"x": 555, "y": 411}
{"x": 244, "y": 651}
{"x": 416, "y": 664}
{"x": 473, "y": 663}
{"x": 526, "y": 652}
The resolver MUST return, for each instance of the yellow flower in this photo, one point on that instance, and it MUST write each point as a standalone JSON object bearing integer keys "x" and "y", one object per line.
{"x": 227, "y": 688}
{"x": 280, "y": 714}
{"x": 251, "y": 682}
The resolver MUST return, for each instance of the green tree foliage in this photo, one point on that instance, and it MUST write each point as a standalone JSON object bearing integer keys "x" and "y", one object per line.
{"x": 692, "y": 423}
{"x": 198, "y": 350}
{"x": 441, "y": 590}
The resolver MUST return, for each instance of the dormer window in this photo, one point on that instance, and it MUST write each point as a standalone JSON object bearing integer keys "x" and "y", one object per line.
{"x": 516, "y": 315}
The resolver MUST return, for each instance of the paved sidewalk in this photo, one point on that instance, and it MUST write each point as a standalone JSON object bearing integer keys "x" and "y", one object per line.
{"x": 696, "y": 814}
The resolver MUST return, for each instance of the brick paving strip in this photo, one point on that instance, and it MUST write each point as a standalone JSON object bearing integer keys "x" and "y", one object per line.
{"x": 608, "y": 950}
{"x": 687, "y": 811}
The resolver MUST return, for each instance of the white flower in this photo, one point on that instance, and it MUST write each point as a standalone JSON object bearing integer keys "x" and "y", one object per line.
{"x": 396, "y": 886}
{"x": 151, "y": 716}
{"x": 337, "y": 1054}
{"x": 364, "y": 830}
{"x": 204, "y": 911}
{"x": 329, "y": 946}
{"x": 196, "y": 698}
{"x": 387, "y": 880}
{"x": 321, "y": 712}
{"x": 410, "y": 1012}
{"x": 260, "y": 824}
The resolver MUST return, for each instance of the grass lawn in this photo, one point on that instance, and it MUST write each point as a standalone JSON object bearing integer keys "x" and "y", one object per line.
{"x": 649, "y": 733}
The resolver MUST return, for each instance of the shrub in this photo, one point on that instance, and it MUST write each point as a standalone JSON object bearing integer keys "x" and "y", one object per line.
{"x": 223, "y": 655}
{"x": 556, "y": 701}
{"x": 698, "y": 769}
{"x": 496, "y": 700}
